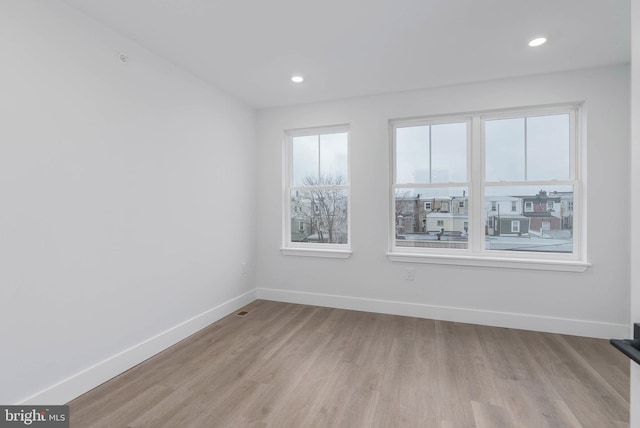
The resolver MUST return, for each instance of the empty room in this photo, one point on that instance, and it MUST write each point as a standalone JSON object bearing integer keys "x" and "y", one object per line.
{"x": 410, "y": 213}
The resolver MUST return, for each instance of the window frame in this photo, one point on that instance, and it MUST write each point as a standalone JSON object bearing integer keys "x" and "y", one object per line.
{"x": 475, "y": 254}
{"x": 307, "y": 249}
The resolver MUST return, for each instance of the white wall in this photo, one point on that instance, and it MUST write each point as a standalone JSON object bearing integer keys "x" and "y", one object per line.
{"x": 635, "y": 203}
{"x": 126, "y": 203}
{"x": 593, "y": 303}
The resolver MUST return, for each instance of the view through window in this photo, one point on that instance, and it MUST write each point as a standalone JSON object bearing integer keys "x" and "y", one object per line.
{"x": 319, "y": 187}
{"x": 523, "y": 195}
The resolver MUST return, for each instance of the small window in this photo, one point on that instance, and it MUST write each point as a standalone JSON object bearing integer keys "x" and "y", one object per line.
{"x": 427, "y": 206}
{"x": 461, "y": 204}
{"x": 528, "y": 207}
{"x": 494, "y": 206}
{"x": 514, "y": 206}
{"x": 440, "y": 222}
{"x": 515, "y": 226}
{"x": 318, "y": 188}
{"x": 550, "y": 206}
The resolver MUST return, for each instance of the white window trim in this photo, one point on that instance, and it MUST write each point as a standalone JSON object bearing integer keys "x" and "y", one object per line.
{"x": 475, "y": 254}
{"x": 316, "y": 252}
{"x": 490, "y": 262}
{"x": 303, "y": 249}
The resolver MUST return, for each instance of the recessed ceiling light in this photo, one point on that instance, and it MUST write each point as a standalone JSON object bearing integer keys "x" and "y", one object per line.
{"x": 538, "y": 41}
{"x": 297, "y": 79}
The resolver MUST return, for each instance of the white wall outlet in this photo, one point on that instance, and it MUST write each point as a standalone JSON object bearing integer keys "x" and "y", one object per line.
{"x": 409, "y": 274}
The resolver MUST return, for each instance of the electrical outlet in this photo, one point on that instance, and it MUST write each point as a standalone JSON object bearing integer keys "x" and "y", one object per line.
{"x": 409, "y": 275}
{"x": 243, "y": 268}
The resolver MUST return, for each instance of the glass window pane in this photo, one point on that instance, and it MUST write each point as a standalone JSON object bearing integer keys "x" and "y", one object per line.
{"x": 449, "y": 153}
{"x": 504, "y": 150}
{"x": 333, "y": 158}
{"x": 544, "y": 215}
{"x": 412, "y": 154}
{"x": 319, "y": 216}
{"x": 432, "y": 217}
{"x": 548, "y": 147}
{"x": 305, "y": 159}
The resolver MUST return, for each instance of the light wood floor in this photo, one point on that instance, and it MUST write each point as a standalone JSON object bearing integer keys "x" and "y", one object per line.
{"x": 286, "y": 365}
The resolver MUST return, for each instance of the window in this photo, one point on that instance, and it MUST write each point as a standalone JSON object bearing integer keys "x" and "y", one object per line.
{"x": 528, "y": 157}
{"x": 317, "y": 191}
{"x": 431, "y": 167}
{"x": 525, "y": 160}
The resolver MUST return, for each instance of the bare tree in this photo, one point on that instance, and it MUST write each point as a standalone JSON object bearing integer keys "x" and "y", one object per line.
{"x": 323, "y": 205}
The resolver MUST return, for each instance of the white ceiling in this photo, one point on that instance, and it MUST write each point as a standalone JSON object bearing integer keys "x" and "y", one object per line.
{"x": 346, "y": 48}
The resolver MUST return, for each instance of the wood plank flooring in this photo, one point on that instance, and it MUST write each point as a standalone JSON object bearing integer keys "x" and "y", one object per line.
{"x": 285, "y": 365}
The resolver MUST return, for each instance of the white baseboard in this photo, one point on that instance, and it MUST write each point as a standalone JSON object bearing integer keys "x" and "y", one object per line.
{"x": 601, "y": 330}
{"x": 89, "y": 378}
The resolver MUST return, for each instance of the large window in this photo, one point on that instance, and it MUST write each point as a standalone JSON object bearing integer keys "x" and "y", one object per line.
{"x": 317, "y": 189}
{"x": 499, "y": 186}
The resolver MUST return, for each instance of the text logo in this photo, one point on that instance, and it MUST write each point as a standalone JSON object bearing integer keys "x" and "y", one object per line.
{"x": 34, "y": 416}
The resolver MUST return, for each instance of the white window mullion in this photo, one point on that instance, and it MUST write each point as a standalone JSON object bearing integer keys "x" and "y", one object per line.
{"x": 319, "y": 157}
{"x": 430, "y": 158}
{"x": 476, "y": 150}
{"x": 526, "y": 163}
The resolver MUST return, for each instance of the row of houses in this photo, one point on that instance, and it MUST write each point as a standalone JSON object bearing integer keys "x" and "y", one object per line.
{"x": 543, "y": 214}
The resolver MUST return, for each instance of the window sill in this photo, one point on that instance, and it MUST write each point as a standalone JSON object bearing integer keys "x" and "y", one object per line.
{"x": 316, "y": 252}
{"x": 511, "y": 263}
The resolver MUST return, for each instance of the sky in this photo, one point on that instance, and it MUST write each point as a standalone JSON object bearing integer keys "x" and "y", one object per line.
{"x": 519, "y": 149}
{"x": 516, "y": 149}
{"x": 325, "y": 155}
